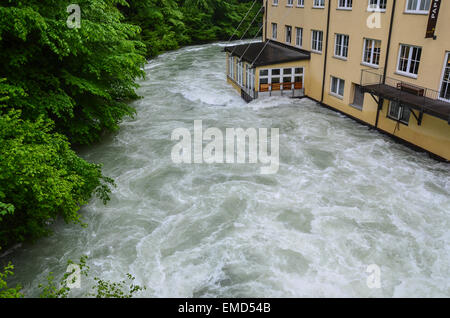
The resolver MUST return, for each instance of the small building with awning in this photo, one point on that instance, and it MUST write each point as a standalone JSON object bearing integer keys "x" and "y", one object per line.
{"x": 267, "y": 69}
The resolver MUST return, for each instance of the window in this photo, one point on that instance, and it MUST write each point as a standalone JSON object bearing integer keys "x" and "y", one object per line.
{"x": 277, "y": 79}
{"x": 337, "y": 86}
{"x": 299, "y": 37}
{"x": 358, "y": 97}
{"x": 399, "y": 112}
{"x": 275, "y": 2}
{"x": 264, "y": 80}
{"x": 445, "y": 87}
{"x": 317, "y": 41}
{"x": 345, "y": 4}
{"x": 377, "y": 5}
{"x": 290, "y": 3}
{"x": 240, "y": 73}
{"x": 298, "y": 77}
{"x": 288, "y": 34}
{"x": 319, "y": 4}
{"x": 341, "y": 46}
{"x": 418, "y": 6}
{"x": 274, "y": 30}
{"x": 409, "y": 60}
{"x": 300, "y": 3}
{"x": 231, "y": 66}
{"x": 372, "y": 52}
{"x": 287, "y": 78}
{"x": 250, "y": 77}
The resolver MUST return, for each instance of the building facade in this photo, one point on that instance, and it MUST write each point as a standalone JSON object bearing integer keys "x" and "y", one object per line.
{"x": 385, "y": 63}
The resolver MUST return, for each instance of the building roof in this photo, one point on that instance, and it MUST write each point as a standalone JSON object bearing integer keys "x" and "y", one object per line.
{"x": 261, "y": 54}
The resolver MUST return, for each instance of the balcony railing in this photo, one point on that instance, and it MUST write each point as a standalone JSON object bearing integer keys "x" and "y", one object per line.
{"x": 404, "y": 91}
{"x": 280, "y": 86}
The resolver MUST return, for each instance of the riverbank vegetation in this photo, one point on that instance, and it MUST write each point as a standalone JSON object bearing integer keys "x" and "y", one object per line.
{"x": 63, "y": 86}
{"x": 169, "y": 24}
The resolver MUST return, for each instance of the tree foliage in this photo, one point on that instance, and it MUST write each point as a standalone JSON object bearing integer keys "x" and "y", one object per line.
{"x": 5, "y": 291}
{"x": 80, "y": 78}
{"x": 41, "y": 178}
{"x": 102, "y": 288}
{"x": 58, "y": 86}
{"x": 169, "y": 24}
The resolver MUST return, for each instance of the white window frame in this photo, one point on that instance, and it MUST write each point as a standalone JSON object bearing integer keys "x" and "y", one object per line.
{"x": 250, "y": 77}
{"x": 274, "y": 31}
{"x": 240, "y": 73}
{"x": 298, "y": 39}
{"x": 443, "y": 80}
{"x": 264, "y": 77}
{"x": 319, "y": 4}
{"x": 231, "y": 66}
{"x": 300, "y": 3}
{"x": 293, "y": 75}
{"x": 315, "y": 40}
{"x": 399, "y": 116}
{"x": 417, "y": 9}
{"x": 341, "y": 45}
{"x": 409, "y": 60}
{"x": 377, "y": 5}
{"x": 290, "y": 3}
{"x": 372, "y": 53}
{"x": 288, "y": 30}
{"x": 345, "y": 4}
{"x": 275, "y": 2}
{"x": 340, "y": 82}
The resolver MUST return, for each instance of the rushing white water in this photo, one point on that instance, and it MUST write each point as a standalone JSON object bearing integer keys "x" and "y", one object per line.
{"x": 345, "y": 197}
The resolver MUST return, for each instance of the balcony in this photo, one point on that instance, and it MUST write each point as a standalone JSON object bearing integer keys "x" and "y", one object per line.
{"x": 416, "y": 97}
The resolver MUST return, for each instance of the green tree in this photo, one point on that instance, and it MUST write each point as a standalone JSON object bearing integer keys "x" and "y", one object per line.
{"x": 162, "y": 24}
{"x": 80, "y": 78}
{"x": 212, "y": 20}
{"x": 61, "y": 86}
{"x": 41, "y": 179}
{"x": 169, "y": 24}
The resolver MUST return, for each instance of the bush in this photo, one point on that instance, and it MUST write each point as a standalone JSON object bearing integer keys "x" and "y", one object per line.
{"x": 41, "y": 179}
{"x": 5, "y": 291}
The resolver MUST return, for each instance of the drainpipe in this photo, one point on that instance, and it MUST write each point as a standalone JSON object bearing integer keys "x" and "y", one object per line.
{"x": 326, "y": 51}
{"x": 265, "y": 14}
{"x": 380, "y": 104}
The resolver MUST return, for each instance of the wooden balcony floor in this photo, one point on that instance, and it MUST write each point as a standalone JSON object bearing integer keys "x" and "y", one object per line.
{"x": 433, "y": 107}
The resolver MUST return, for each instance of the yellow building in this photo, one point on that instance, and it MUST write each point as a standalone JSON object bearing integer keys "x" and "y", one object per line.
{"x": 385, "y": 63}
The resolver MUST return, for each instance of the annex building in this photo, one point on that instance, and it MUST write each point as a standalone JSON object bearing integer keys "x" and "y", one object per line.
{"x": 385, "y": 63}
